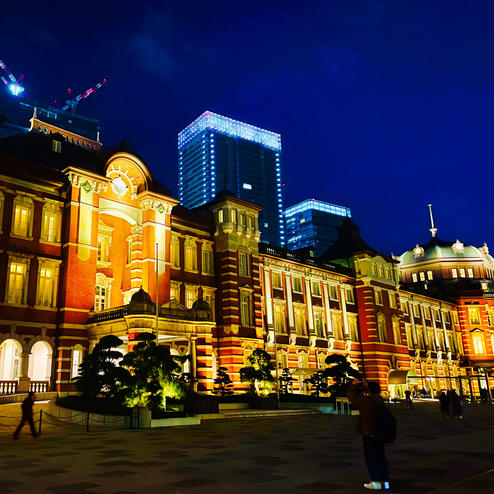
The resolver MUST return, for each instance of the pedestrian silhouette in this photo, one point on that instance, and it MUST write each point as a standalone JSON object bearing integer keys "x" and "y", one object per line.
{"x": 455, "y": 404}
{"x": 27, "y": 415}
{"x": 408, "y": 399}
{"x": 444, "y": 400}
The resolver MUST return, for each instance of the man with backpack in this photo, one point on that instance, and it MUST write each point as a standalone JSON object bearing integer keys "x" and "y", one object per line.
{"x": 377, "y": 426}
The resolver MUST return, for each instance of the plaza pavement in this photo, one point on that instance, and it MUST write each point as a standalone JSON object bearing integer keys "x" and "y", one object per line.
{"x": 305, "y": 454}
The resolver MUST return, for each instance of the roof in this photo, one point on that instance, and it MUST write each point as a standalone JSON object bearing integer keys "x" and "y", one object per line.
{"x": 436, "y": 249}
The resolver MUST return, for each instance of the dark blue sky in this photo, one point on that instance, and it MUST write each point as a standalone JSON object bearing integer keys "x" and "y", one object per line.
{"x": 383, "y": 106}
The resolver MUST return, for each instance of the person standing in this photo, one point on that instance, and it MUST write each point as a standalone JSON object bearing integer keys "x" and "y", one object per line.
{"x": 27, "y": 415}
{"x": 444, "y": 404}
{"x": 456, "y": 405}
{"x": 366, "y": 398}
{"x": 408, "y": 399}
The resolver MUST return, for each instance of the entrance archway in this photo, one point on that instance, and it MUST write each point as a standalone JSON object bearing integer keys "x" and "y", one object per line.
{"x": 40, "y": 361}
{"x": 10, "y": 360}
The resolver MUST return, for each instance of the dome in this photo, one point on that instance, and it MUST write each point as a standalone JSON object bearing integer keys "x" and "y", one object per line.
{"x": 141, "y": 297}
{"x": 437, "y": 249}
{"x": 200, "y": 304}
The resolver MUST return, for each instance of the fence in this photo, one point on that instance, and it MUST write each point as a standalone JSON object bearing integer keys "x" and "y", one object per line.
{"x": 8, "y": 387}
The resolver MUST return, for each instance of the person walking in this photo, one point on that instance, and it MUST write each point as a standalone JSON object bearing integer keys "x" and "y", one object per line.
{"x": 366, "y": 397}
{"x": 27, "y": 415}
{"x": 444, "y": 403}
{"x": 408, "y": 399}
{"x": 456, "y": 405}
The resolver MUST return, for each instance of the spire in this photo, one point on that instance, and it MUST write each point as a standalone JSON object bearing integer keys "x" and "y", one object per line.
{"x": 433, "y": 230}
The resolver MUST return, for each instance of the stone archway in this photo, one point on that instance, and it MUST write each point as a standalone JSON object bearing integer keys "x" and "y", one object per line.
{"x": 40, "y": 361}
{"x": 10, "y": 359}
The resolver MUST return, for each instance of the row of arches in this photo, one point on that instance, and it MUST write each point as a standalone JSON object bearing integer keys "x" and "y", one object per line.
{"x": 40, "y": 360}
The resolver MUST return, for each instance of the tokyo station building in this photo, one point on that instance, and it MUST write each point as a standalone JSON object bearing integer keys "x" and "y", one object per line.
{"x": 90, "y": 241}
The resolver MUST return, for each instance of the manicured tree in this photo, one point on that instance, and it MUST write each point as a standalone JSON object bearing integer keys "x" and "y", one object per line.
{"x": 258, "y": 373}
{"x": 318, "y": 383}
{"x": 99, "y": 372}
{"x": 286, "y": 380}
{"x": 223, "y": 383}
{"x": 342, "y": 373}
{"x": 154, "y": 374}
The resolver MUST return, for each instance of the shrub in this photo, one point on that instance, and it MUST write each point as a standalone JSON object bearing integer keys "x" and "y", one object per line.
{"x": 259, "y": 373}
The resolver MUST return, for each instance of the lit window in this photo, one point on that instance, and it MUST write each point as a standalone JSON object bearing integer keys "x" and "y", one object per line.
{"x": 190, "y": 256}
{"x": 437, "y": 315}
{"x": 427, "y": 312}
{"x": 233, "y": 215}
{"x": 337, "y": 325}
{"x": 470, "y": 272}
{"x": 318, "y": 324}
{"x": 414, "y": 277}
{"x": 297, "y": 284}
{"x": 352, "y": 322}
{"x": 316, "y": 288}
{"x": 276, "y": 277}
{"x": 56, "y": 146}
{"x": 243, "y": 264}
{"x": 429, "y": 275}
{"x": 243, "y": 219}
{"x": 381, "y": 326}
{"x": 47, "y": 283}
{"x": 462, "y": 273}
{"x": 422, "y": 276}
{"x": 392, "y": 300}
{"x": 50, "y": 227}
{"x": 478, "y": 342}
{"x": 300, "y": 320}
{"x": 174, "y": 293}
{"x": 76, "y": 360}
{"x": 404, "y": 307}
{"x": 17, "y": 281}
{"x": 245, "y": 316}
{"x": 252, "y": 222}
{"x": 454, "y": 273}
{"x": 220, "y": 216}
{"x": 100, "y": 302}
{"x": 175, "y": 252}
{"x": 190, "y": 297}
{"x": 474, "y": 315}
{"x": 247, "y": 186}
{"x": 396, "y": 331}
{"x": 378, "y": 296}
{"x": 103, "y": 248}
{"x": 22, "y": 220}
{"x": 381, "y": 271}
{"x": 207, "y": 261}
{"x": 416, "y": 310}
{"x": 279, "y": 319}
{"x": 333, "y": 292}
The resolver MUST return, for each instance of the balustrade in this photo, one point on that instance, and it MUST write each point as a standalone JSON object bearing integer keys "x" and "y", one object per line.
{"x": 8, "y": 387}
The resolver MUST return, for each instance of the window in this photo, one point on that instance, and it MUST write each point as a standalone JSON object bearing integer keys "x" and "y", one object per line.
{"x": 422, "y": 276}
{"x": 316, "y": 288}
{"x": 447, "y": 316}
{"x": 56, "y": 146}
{"x": 470, "y": 272}
{"x": 243, "y": 220}
{"x": 252, "y": 222}
{"x": 352, "y": 322}
{"x": 378, "y": 296}
{"x": 297, "y": 284}
{"x": 100, "y": 301}
{"x": 381, "y": 271}
{"x": 233, "y": 215}
{"x": 300, "y": 320}
{"x": 220, "y": 216}
{"x": 414, "y": 277}
{"x": 190, "y": 297}
{"x": 474, "y": 315}
{"x": 103, "y": 248}
{"x": 381, "y": 327}
{"x": 174, "y": 291}
{"x": 76, "y": 360}
{"x": 427, "y": 312}
{"x": 478, "y": 342}
{"x": 404, "y": 307}
{"x": 337, "y": 325}
{"x": 50, "y": 226}
{"x": 17, "y": 281}
{"x": 243, "y": 264}
{"x": 416, "y": 310}
{"x": 279, "y": 318}
{"x": 190, "y": 256}
{"x": 396, "y": 331}
{"x": 374, "y": 269}
{"x": 22, "y": 219}
{"x": 245, "y": 316}
{"x": 349, "y": 295}
{"x": 408, "y": 332}
{"x": 333, "y": 292}
{"x": 47, "y": 284}
{"x": 276, "y": 277}
{"x": 429, "y": 275}
{"x": 207, "y": 260}
{"x": 437, "y": 315}
{"x": 392, "y": 300}
{"x": 175, "y": 252}
{"x": 454, "y": 273}
{"x": 318, "y": 324}
{"x": 462, "y": 273}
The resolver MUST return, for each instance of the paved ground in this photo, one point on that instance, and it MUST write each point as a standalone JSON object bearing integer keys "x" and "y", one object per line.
{"x": 318, "y": 454}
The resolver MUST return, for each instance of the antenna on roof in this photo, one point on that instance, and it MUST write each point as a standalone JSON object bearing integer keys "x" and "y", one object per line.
{"x": 433, "y": 230}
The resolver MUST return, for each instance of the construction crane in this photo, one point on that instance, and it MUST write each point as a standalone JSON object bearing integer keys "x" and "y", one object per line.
{"x": 72, "y": 103}
{"x": 13, "y": 85}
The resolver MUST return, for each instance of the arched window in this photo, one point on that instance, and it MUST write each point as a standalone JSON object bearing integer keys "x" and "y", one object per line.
{"x": 10, "y": 360}
{"x": 40, "y": 361}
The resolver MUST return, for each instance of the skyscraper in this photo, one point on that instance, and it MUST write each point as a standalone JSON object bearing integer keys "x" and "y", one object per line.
{"x": 217, "y": 153}
{"x": 315, "y": 224}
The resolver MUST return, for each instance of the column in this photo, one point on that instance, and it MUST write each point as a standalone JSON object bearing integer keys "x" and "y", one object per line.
{"x": 267, "y": 298}
{"x": 327, "y": 307}
{"x": 24, "y": 381}
{"x": 343, "y": 309}
{"x": 193, "y": 354}
{"x": 308, "y": 300}
{"x": 445, "y": 333}
{"x": 412, "y": 322}
{"x": 291, "y": 318}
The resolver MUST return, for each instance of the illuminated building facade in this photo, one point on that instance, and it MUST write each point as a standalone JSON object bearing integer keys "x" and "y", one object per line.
{"x": 314, "y": 224}
{"x": 216, "y": 153}
{"x": 90, "y": 241}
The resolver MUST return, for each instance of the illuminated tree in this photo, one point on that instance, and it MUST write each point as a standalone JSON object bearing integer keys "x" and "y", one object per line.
{"x": 342, "y": 373}
{"x": 259, "y": 373}
{"x": 318, "y": 382}
{"x": 223, "y": 383}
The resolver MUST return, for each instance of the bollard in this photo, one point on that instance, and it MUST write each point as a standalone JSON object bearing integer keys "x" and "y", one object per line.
{"x": 40, "y": 420}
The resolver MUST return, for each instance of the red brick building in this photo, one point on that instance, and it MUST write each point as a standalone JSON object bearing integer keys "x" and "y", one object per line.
{"x": 90, "y": 240}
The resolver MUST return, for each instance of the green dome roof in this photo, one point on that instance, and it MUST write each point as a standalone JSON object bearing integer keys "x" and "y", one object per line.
{"x": 436, "y": 249}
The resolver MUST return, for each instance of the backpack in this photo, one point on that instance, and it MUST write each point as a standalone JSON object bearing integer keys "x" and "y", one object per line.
{"x": 385, "y": 425}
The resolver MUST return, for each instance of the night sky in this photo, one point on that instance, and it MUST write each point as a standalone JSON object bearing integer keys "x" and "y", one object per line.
{"x": 383, "y": 106}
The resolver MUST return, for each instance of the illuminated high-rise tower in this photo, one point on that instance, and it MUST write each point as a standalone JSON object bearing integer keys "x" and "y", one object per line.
{"x": 217, "y": 153}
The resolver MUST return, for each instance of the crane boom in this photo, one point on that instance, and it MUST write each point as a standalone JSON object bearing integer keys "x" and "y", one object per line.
{"x": 72, "y": 103}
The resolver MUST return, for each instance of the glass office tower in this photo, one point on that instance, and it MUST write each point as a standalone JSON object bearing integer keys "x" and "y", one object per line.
{"x": 217, "y": 153}
{"x": 315, "y": 224}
